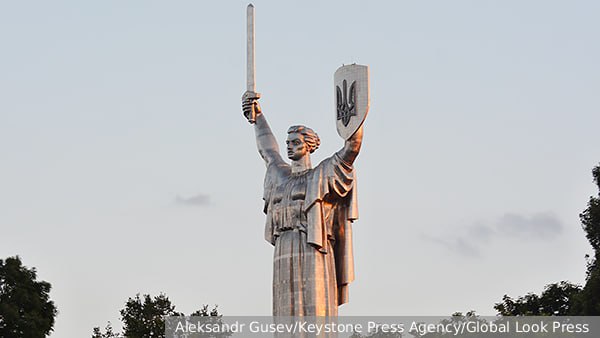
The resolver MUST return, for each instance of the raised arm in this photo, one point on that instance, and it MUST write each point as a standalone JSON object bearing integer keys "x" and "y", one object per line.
{"x": 265, "y": 140}
{"x": 352, "y": 146}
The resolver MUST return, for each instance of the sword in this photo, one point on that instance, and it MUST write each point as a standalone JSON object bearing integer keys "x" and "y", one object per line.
{"x": 250, "y": 65}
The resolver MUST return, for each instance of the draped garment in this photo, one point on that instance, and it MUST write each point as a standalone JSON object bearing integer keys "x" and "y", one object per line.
{"x": 309, "y": 221}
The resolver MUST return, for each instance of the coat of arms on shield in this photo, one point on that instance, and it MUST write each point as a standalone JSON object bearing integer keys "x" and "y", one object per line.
{"x": 352, "y": 98}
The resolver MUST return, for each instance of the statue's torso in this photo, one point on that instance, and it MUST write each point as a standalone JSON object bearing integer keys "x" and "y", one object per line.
{"x": 288, "y": 202}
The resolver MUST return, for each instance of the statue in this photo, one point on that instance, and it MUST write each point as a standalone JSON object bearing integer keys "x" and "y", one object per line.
{"x": 309, "y": 211}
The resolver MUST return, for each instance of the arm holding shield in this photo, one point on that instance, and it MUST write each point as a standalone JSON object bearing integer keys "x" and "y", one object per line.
{"x": 352, "y": 146}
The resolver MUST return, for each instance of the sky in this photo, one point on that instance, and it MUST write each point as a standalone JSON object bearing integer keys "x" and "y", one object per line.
{"x": 127, "y": 166}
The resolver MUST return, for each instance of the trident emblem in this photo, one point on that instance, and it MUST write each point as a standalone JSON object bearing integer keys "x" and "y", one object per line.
{"x": 346, "y": 102}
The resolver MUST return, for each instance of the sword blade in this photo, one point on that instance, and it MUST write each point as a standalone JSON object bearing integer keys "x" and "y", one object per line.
{"x": 250, "y": 66}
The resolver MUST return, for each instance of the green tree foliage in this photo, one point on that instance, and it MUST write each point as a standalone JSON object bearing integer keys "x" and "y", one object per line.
{"x": 108, "y": 332}
{"x": 143, "y": 317}
{"x": 25, "y": 306}
{"x": 589, "y": 300}
{"x": 556, "y": 300}
{"x": 204, "y": 312}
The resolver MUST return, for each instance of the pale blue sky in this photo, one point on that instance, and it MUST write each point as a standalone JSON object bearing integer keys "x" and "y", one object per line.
{"x": 477, "y": 160}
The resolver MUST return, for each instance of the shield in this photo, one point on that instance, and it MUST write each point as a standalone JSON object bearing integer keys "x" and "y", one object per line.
{"x": 351, "y": 85}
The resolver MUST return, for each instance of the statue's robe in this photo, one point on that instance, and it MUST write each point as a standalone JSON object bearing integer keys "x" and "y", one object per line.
{"x": 309, "y": 221}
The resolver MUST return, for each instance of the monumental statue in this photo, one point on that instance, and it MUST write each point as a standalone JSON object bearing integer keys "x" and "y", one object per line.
{"x": 309, "y": 211}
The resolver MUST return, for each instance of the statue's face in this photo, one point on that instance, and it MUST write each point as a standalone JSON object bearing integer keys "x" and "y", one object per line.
{"x": 296, "y": 147}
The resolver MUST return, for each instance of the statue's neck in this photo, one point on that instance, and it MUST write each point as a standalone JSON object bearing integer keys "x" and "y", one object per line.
{"x": 301, "y": 165}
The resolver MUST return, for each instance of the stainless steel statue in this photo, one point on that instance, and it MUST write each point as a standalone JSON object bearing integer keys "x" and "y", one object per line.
{"x": 310, "y": 210}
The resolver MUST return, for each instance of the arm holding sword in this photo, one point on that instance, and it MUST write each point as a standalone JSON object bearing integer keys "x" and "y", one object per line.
{"x": 265, "y": 140}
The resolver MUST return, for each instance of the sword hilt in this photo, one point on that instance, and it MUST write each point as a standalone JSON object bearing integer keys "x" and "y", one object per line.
{"x": 250, "y": 96}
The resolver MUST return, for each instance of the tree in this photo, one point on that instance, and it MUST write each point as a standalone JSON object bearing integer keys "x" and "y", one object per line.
{"x": 205, "y": 312}
{"x": 589, "y": 300}
{"x": 108, "y": 332}
{"x": 25, "y": 306}
{"x": 556, "y": 300}
{"x": 144, "y": 317}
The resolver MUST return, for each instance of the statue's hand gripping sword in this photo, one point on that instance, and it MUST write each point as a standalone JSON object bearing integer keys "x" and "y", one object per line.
{"x": 250, "y": 93}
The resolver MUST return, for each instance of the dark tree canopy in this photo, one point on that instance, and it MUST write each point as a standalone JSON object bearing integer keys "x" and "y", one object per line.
{"x": 556, "y": 300}
{"x": 590, "y": 217}
{"x": 25, "y": 306}
{"x": 108, "y": 332}
{"x": 589, "y": 300}
{"x": 143, "y": 317}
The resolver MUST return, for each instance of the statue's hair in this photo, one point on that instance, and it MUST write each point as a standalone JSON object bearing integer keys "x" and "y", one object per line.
{"x": 310, "y": 137}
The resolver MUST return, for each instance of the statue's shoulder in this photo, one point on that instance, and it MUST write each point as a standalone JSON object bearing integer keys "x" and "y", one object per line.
{"x": 277, "y": 170}
{"x": 330, "y": 162}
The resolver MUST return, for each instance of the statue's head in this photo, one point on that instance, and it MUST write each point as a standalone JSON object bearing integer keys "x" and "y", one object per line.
{"x": 301, "y": 141}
